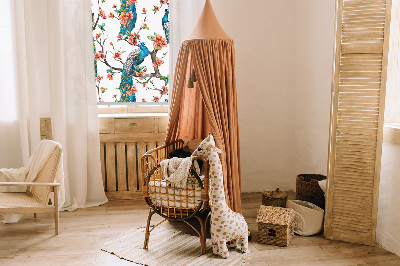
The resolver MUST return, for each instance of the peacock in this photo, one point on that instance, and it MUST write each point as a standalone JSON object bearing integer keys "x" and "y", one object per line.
{"x": 131, "y": 66}
{"x": 130, "y": 22}
{"x": 165, "y": 24}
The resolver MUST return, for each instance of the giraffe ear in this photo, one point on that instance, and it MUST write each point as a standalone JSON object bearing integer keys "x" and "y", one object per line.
{"x": 216, "y": 149}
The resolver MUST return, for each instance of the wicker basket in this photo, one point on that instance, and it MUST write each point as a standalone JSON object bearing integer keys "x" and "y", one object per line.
{"x": 274, "y": 198}
{"x": 308, "y": 189}
{"x": 275, "y": 225}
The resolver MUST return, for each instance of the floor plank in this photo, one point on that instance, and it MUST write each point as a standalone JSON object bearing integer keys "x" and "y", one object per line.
{"x": 82, "y": 233}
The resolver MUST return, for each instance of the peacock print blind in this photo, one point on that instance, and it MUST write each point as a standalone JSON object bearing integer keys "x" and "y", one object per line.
{"x": 131, "y": 42}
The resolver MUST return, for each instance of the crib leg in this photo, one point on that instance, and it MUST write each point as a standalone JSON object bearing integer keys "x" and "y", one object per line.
{"x": 203, "y": 236}
{"x": 147, "y": 235}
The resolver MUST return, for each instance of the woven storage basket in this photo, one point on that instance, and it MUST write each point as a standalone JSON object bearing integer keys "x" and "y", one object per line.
{"x": 308, "y": 189}
{"x": 275, "y": 225}
{"x": 274, "y": 198}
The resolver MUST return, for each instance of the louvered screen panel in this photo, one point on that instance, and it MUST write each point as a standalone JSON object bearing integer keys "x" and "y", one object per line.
{"x": 358, "y": 96}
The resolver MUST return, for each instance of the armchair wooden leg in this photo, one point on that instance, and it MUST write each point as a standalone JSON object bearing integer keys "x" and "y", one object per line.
{"x": 147, "y": 235}
{"x": 56, "y": 212}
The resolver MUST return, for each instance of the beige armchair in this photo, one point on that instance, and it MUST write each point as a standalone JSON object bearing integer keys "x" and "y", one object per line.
{"x": 36, "y": 197}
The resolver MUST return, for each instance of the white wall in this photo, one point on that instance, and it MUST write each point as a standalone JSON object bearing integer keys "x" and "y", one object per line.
{"x": 314, "y": 60}
{"x": 284, "y": 52}
{"x": 388, "y": 227}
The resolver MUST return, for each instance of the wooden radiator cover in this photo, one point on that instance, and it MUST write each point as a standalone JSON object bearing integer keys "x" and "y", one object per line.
{"x": 358, "y": 97}
{"x": 123, "y": 141}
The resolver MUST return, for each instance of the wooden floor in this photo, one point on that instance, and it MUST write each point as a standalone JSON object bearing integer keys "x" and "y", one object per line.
{"x": 82, "y": 233}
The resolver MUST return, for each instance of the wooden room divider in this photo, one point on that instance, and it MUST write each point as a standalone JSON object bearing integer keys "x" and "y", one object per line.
{"x": 357, "y": 108}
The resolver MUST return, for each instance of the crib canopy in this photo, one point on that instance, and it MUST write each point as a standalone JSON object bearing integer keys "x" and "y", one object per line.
{"x": 204, "y": 98}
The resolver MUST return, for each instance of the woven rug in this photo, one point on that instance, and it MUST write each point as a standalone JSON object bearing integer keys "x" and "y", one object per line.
{"x": 168, "y": 247}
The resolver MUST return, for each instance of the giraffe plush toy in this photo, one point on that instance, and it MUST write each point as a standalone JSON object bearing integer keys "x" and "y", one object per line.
{"x": 226, "y": 225}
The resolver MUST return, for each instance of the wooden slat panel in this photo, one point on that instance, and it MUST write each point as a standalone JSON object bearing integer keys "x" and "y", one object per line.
{"x": 362, "y": 48}
{"x": 103, "y": 168}
{"x": 121, "y": 166}
{"x": 110, "y": 167}
{"x": 123, "y": 176}
{"x": 131, "y": 161}
{"x": 141, "y": 149}
{"x": 357, "y": 119}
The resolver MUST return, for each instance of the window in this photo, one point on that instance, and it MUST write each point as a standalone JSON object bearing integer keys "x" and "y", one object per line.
{"x": 131, "y": 42}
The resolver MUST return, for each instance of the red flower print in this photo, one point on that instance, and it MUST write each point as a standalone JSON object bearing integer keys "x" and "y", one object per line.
{"x": 164, "y": 90}
{"x": 144, "y": 10}
{"x": 101, "y": 101}
{"x": 132, "y": 40}
{"x": 132, "y": 90}
{"x": 163, "y": 1}
{"x": 117, "y": 55}
{"x": 156, "y": 8}
{"x": 111, "y": 15}
{"x": 97, "y": 35}
{"x": 119, "y": 36}
{"x": 99, "y": 78}
{"x": 124, "y": 17}
{"x": 110, "y": 76}
{"x": 99, "y": 55}
{"x": 158, "y": 62}
{"x": 159, "y": 42}
{"x": 144, "y": 100}
{"x": 144, "y": 25}
{"x": 156, "y": 98}
{"x": 114, "y": 6}
{"x": 102, "y": 14}
{"x": 114, "y": 96}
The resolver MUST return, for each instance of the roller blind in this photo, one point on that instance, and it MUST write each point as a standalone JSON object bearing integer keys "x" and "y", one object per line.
{"x": 358, "y": 97}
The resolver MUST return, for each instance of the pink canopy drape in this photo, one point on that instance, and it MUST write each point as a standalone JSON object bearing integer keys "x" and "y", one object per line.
{"x": 210, "y": 106}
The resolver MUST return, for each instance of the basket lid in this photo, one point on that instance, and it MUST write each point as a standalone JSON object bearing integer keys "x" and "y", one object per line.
{"x": 275, "y": 194}
{"x": 275, "y": 215}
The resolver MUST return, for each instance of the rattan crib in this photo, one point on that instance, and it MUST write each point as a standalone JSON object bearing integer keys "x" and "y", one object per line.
{"x": 170, "y": 202}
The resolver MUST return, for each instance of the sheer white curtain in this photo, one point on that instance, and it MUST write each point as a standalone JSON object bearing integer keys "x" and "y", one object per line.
{"x": 183, "y": 18}
{"x": 55, "y": 78}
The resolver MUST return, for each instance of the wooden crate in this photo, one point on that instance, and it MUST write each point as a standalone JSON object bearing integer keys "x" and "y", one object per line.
{"x": 123, "y": 141}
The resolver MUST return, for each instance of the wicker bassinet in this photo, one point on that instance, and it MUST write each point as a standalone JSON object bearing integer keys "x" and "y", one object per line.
{"x": 175, "y": 203}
